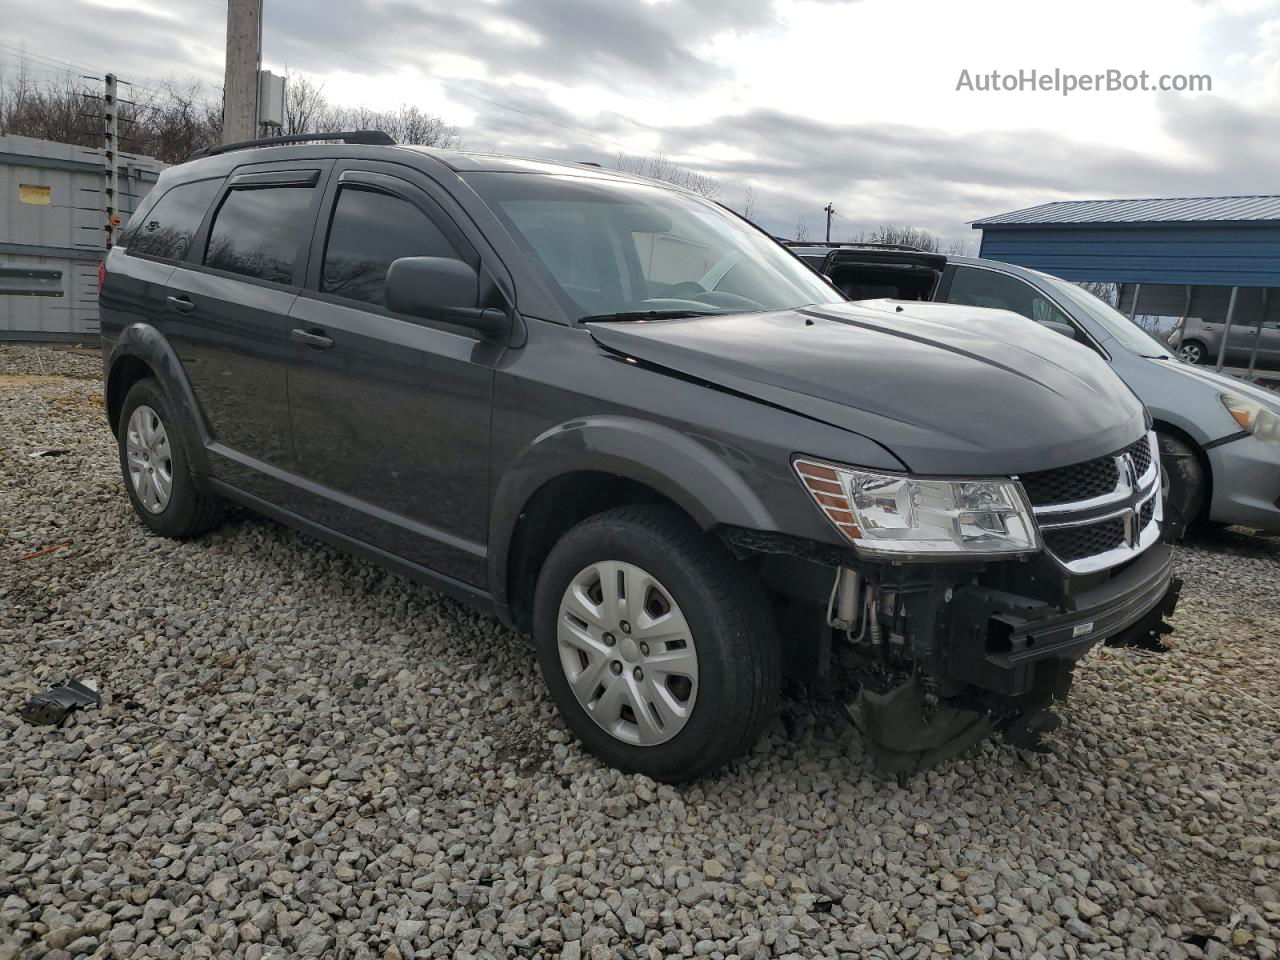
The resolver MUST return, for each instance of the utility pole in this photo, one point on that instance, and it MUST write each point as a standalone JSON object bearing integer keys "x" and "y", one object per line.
{"x": 831, "y": 212}
{"x": 244, "y": 56}
{"x": 111, "y": 173}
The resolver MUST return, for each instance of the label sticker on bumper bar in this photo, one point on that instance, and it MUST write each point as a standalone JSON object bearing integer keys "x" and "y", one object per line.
{"x": 1082, "y": 630}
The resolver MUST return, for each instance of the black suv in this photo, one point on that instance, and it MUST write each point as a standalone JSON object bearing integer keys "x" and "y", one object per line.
{"x": 621, "y": 418}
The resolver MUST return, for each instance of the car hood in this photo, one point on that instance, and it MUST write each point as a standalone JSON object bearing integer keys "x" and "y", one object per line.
{"x": 1224, "y": 383}
{"x": 948, "y": 389}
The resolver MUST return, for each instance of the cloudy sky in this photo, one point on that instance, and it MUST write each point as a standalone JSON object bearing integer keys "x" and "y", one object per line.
{"x": 805, "y": 101}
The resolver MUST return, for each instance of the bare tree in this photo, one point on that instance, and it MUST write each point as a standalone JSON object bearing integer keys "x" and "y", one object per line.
{"x": 58, "y": 109}
{"x": 171, "y": 119}
{"x": 304, "y": 102}
{"x": 176, "y": 121}
{"x": 905, "y": 236}
{"x": 661, "y": 167}
{"x": 749, "y": 204}
{"x": 1108, "y": 293}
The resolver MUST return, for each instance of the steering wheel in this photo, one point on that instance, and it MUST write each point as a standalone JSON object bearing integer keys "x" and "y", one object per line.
{"x": 684, "y": 290}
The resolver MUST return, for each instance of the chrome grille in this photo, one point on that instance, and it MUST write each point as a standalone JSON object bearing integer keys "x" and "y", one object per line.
{"x": 1084, "y": 481}
{"x": 1141, "y": 453}
{"x": 1075, "y": 543}
{"x": 1080, "y": 482}
{"x": 1099, "y": 513}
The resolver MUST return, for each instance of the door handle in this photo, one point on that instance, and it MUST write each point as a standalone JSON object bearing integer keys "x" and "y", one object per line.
{"x": 180, "y": 304}
{"x": 312, "y": 338}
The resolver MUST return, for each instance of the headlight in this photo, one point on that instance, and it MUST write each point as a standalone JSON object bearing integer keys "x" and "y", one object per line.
{"x": 1253, "y": 417}
{"x": 900, "y": 516}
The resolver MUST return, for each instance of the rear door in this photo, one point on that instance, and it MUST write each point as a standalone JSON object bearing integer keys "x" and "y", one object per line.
{"x": 1269, "y": 345}
{"x": 159, "y": 235}
{"x": 390, "y": 413}
{"x": 229, "y": 305}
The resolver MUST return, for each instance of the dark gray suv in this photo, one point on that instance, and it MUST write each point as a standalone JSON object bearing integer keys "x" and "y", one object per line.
{"x": 621, "y": 418}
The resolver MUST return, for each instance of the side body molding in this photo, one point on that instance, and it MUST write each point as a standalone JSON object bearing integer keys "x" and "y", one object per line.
{"x": 145, "y": 343}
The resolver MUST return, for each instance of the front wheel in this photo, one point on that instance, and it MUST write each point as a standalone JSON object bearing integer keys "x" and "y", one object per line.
{"x": 1193, "y": 351}
{"x": 656, "y": 646}
{"x": 1182, "y": 479}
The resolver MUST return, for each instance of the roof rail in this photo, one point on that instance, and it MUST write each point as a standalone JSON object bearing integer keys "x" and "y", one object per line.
{"x": 371, "y": 137}
{"x": 872, "y": 244}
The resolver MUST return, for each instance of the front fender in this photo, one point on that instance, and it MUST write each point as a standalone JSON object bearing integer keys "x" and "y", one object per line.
{"x": 685, "y": 470}
{"x": 143, "y": 342}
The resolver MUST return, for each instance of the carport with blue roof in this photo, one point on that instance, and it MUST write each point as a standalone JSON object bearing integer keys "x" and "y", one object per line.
{"x": 1215, "y": 259}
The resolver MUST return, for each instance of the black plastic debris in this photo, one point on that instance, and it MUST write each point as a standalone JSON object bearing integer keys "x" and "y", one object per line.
{"x": 50, "y": 708}
{"x": 50, "y": 452}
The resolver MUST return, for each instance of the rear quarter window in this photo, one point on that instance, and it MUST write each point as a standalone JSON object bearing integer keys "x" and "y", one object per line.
{"x": 257, "y": 232}
{"x": 166, "y": 230}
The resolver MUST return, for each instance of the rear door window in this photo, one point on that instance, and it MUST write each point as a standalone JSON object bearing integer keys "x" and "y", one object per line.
{"x": 258, "y": 231}
{"x": 369, "y": 230}
{"x": 167, "y": 229}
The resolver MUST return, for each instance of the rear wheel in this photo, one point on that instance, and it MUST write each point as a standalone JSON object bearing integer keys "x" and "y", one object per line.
{"x": 1182, "y": 478}
{"x": 1193, "y": 351}
{"x": 656, "y": 646}
{"x": 157, "y": 473}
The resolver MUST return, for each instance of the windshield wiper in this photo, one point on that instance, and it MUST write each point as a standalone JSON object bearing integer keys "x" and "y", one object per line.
{"x": 650, "y": 315}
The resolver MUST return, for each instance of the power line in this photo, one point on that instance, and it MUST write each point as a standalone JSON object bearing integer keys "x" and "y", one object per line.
{"x": 459, "y": 91}
{"x": 59, "y": 62}
{"x": 52, "y": 63}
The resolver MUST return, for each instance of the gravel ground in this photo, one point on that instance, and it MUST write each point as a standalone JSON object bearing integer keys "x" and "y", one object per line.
{"x": 301, "y": 755}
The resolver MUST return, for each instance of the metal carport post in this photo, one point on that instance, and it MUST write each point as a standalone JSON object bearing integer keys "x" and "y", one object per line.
{"x": 1226, "y": 333}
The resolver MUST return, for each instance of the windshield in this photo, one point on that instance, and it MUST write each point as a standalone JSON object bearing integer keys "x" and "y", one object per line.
{"x": 615, "y": 248}
{"x": 1127, "y": 333}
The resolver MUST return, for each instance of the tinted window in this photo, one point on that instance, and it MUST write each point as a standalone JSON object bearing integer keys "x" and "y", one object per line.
{"x": 986, "y": 288}
{"x": 368, "y": 231}
{"x": 256, "y": 232}
{"x": 168, "y": 228}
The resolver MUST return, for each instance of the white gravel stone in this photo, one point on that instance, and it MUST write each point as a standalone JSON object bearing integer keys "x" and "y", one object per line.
{"x": 300, "y": 755}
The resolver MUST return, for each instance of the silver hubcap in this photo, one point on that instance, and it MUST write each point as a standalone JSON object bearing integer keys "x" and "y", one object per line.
{"x": 1190, "y": 354}
{"x": 627, "y": 653}
{"x": 150, "y": 463}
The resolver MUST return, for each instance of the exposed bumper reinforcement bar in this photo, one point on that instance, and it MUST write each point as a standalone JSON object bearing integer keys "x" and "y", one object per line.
{"x": 1016, "y": 657}
{"x": 999, "y": 638}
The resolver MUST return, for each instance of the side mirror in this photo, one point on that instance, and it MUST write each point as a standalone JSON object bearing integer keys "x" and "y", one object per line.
{"x": 1057, "y": 326}
{"x": 440, "y": 288}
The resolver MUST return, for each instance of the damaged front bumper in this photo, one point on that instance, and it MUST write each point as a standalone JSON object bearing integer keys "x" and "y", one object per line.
{"x": 943, "y": 665}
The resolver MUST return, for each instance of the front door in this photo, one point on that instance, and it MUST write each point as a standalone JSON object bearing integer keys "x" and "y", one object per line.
{"x": 390, "y": 413}
{"x": 228, "y": 307}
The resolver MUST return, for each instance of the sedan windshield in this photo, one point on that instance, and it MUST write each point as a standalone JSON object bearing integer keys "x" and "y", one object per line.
{"x": 1127, "y": 333}
{"x": 617, "y": 249}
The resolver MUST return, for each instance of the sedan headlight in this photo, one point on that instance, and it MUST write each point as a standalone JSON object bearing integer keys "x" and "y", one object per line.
{"x": 1252, "y": 416}
{"x": 902, "y": 516}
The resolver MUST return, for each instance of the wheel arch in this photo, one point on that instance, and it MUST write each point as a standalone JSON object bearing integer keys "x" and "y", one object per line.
{"x": 584, "y": 467}
{"x": 1173, "y": 430}
{"x": 141, "y": 351}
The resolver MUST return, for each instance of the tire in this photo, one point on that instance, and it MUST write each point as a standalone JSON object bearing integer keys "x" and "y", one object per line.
{"x": 1182, "y": 477}
{"x": 1193, "y": 351}
{"x": 177, "y": 508}
{"x": 728, "y": 690}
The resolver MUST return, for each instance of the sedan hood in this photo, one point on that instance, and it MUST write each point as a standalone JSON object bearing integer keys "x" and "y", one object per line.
{"x": 948, "y": 389}
{"x": 1224, "y": 383}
